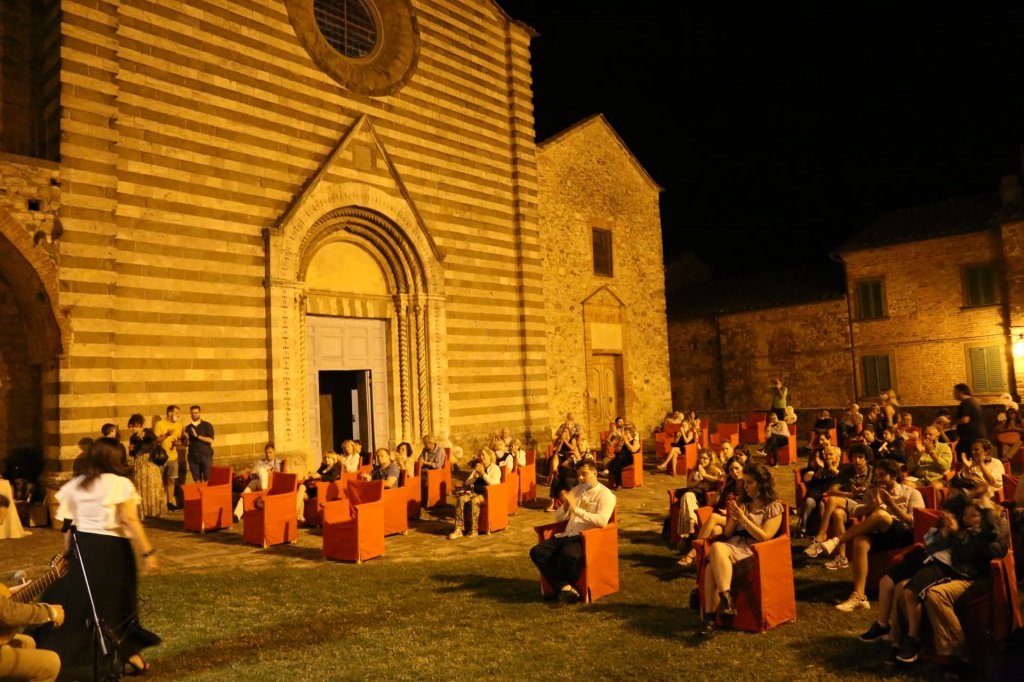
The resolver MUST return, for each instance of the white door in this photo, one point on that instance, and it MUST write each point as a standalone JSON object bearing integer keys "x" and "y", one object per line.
{"x": 344, "y": 344}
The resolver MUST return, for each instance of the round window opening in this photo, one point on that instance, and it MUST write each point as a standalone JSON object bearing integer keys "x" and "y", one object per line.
{"x": 349, "y": 26}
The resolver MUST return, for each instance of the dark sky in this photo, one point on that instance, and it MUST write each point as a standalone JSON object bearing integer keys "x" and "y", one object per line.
{"x": 777, "y": 130}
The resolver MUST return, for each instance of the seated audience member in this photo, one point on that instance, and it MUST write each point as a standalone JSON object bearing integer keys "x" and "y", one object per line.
{"x": 928, "y": 463}
{"x": 849, "y": 424}
{"x": 740, "y": 452}
{"x": 623, "y": 458}
{"x": 874, "y": 417}
{"x": 951, "y": 571}
{"x": 686, "y": 435}
{"x": 890, "y": 411}
{"x": 943, "y": 423}
{"x": 731, "y": 487}
{"x": 259, "y": 476}
{"x": 669, "y": 416}
{"x": 983, "y": 467}
{"x": 350, "y": 457}
{"x": 565, "y": 437}
{"x": 433, "y": 456}
{"x": 846, "y": 494}
{"x": 406, "y": 461}
{"x": 893, "y": 446}
{"x": 443, "y": 440}
{"x": 702, "y": 479}
{"x": 888, "y": 524}
{"x": 819, "y": 475}
{"x": 329, "y": 471}
{"x": 868, "y": 437}
{"x": 824, "y": 441}
{"x": 560, "y": 559}
{"x": 19, "y": 657}
{"x": 691, "y": 416}
{"x": 905, "y": 430}
{"x": 485, "y": 472}
{"x": 754, "y": 517}
{"x": 823, "y": 424}
{"x": 514, "y": 457}
{"x": 564, "y": 478}
{"x": 1012, "y": 424}
{"x": 777, "y": 435}
{"x": 386, "y": 469}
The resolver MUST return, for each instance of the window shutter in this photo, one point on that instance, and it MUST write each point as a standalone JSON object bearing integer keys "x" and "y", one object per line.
{"x": 884, "y": 376}
{"x": 879, "y": 310}
{"x": 979, "y": 369}
{"x": 994, "y": 367}
{"x": 870, "y": 375}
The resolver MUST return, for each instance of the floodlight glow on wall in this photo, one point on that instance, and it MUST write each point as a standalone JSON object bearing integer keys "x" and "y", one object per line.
{"x": 1018, "y": 346}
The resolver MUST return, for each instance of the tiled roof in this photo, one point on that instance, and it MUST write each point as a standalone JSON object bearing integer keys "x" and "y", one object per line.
{"x": 958, "y": 216}
{"x": 745, "y": 294}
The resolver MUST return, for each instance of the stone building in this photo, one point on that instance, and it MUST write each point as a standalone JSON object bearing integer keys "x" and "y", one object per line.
{"x": 316, "y": 219}
{"x": 933, "y": 298}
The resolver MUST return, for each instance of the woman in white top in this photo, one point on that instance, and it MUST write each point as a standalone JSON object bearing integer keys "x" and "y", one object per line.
{"x": 103, "y": 505}
{"x": 485, "y": 472}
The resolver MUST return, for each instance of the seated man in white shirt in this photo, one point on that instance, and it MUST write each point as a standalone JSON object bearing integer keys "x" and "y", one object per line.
{"x": 259, "y": 477}
{"x": 560, "y": 559}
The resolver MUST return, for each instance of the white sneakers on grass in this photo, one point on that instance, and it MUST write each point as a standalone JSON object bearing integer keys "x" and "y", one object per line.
{"x": 854, "y": 602}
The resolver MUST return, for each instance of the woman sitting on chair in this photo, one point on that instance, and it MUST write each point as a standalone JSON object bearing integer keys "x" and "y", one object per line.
{"x": 329, "y": 471}
{"x": 733, "y": 483}
{"x": 819, "y": 475}
{"x": 755, "y": 517}
{"x": 1011, "y": 425}
{"x": 702, "y": 479}
{"x": 564, "y": 478}
{"x": 624, "y": 457}
{"x": 686, "y": 435}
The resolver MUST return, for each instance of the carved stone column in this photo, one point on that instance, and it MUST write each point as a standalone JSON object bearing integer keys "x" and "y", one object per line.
{"x": 422, "y": 366}
{"x": 404, "y": 371}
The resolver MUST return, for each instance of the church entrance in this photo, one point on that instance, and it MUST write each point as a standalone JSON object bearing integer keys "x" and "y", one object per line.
{"x": 347, "y": 382}
{"x": 606, "y": 391}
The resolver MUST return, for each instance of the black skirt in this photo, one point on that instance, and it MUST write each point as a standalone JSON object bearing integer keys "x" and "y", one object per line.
{"x": 110, "y": 565}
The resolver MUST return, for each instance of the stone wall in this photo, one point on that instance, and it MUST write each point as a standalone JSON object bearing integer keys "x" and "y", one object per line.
{"x": 927, "y": 328}
{"x": 588, "y": 179}
{"x": 695, "y": 356}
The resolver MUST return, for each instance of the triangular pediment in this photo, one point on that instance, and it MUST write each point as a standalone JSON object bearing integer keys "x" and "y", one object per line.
{"x": 604, "y": 296}
{"x": 360, "y": 148}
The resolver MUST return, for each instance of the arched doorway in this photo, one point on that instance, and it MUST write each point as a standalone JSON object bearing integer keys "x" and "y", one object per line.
{"x": 355, "y": 290}
{"x": 30, "y": 345}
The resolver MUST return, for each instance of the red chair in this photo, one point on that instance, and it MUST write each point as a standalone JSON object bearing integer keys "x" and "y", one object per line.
{"x": 513, "y": 480}
{"x": 313, "y": 508}
{"x": 277, "y": 521}
{"x": 880, "y": 562}
{"x": 752, "y": 430}
{"x": 801, "y": 490}
{"x": 686, "y": 460}
{"x": 439, "y": 483}
{"x": 787, "y": 455}
{"x": 413, "y": 489}
{"x": 1010, "y": 487}
{"x": 633, "y": 474}
{"x": 717, "y": 442}
{"x": 354, "y": 525}
{"x": 663, "y": 440}
{"x": 528, "y": 478}
{"x": 703, "y": 514}
{"x": 765, "y": 596}
{"x": 704, "y": 434}
{"x": 730, "y": 432}
{"x": 494, "y": 510}
{"x": 208, "y": 504}
{"x": 396, "y": 508}
{"x": 600, "y": 576}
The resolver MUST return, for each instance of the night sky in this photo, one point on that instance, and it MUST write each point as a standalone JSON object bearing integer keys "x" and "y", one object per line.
{"x": 779, "y": 130}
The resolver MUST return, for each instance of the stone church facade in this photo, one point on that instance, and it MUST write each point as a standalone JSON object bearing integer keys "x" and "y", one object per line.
{"x": 238, "y": 203}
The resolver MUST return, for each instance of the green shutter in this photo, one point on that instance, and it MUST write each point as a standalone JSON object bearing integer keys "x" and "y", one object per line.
{"x": 994, "y": 366}
{"x": 879, "y": 309}
{"x": 981, "y": 286}
{"x": 870, "y": 375}
{"x": 979, "y": 369}
{"x": 884, "y": 376}
{"x": 870, "y": 296}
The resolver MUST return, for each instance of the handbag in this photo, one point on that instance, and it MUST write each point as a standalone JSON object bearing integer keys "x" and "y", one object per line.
{"x": 158, "y": 456}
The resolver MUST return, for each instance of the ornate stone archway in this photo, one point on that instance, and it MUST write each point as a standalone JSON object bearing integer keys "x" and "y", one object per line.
{"x": 385, "y": 228}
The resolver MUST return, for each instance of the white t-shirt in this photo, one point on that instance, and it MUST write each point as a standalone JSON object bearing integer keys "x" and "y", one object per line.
{"x": 95, "y": 510}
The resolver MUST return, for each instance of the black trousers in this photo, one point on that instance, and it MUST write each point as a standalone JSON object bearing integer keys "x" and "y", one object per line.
{"x": 559, "y": 560}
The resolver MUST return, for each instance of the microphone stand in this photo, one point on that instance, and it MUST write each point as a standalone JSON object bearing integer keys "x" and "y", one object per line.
{"x": 101, "y": 648}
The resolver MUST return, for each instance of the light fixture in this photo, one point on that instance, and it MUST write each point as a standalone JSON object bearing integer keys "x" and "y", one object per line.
{"x": 1018, "y": 346}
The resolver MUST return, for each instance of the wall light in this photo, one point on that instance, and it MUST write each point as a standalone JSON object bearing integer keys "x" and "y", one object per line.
{"x": 1018, "y": 346}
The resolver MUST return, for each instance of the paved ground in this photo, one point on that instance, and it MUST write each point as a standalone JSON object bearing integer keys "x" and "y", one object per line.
{"x": 641, "y": 510}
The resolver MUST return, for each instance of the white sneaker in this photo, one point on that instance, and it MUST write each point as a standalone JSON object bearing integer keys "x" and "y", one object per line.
{"x": 838, "y": 562}
{"x": 829, "y": 546}
{"x": 814, "y": 549}
{"x": 853, "y": 603}
{"x": 455, "y": 534}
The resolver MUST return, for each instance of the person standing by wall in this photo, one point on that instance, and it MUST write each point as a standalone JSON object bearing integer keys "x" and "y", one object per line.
{"x": 779, "y": 395}
{"x": 200, "y": 445}
{"x": 169, "y": 432}
{"x": 970, "y": 425}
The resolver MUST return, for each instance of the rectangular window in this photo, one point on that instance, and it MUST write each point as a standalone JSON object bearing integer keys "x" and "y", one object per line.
{"x": 877, "y": 374}
{"x": 871, "y": 300}
{"x": 602, "y": 252}
{"x": 980, "y": 286}
{"x": 985, "y": 367}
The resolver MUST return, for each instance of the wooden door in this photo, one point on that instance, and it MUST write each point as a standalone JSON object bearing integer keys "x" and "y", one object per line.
{"x": 606, "y": 392}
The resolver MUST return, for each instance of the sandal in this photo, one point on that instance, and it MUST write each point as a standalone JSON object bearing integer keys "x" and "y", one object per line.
{"x": 134, "y": 669}
{"x": 687, "y": 560}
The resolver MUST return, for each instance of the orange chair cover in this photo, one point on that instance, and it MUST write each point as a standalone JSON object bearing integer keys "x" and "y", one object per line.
{"x": 208, "y": 505}
{"x": 354, "y": 525}
{"x": 600, "y": 576}
{"x": 277, "y": 522}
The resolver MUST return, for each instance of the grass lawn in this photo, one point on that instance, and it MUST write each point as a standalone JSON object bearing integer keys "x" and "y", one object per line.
{"x": 431, "y": 609}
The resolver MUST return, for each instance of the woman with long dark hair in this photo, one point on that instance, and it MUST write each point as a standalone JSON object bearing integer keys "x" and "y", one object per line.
{"x": 103, "y": 505}
{"x": 755, "y": 517}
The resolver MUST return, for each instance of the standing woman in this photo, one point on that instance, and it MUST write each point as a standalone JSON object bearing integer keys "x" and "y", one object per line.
{"x": 890, "y": 410}
{"x": 102, "y": 503}
{"x": 146, "y": 476}
{"x": 756, "y": 517}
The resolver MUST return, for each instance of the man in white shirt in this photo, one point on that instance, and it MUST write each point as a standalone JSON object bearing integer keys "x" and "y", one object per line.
{"x": 560, "y": 559}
